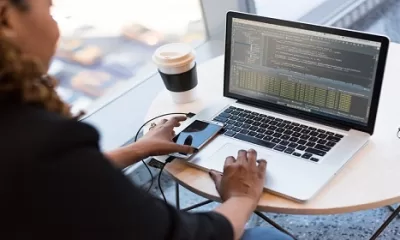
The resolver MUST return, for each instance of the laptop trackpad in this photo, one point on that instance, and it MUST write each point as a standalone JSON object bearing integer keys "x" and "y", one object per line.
{"x": 230, "y": 149}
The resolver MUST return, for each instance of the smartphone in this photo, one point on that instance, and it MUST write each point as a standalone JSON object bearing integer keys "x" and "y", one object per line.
{"x": 197, "y": 134}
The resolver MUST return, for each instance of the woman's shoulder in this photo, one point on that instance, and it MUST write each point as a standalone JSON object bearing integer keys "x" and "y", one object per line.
{"x": 33, "y": 129}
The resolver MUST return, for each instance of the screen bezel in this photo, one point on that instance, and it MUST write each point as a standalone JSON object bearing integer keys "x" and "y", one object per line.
{"x": 368, "y": 128}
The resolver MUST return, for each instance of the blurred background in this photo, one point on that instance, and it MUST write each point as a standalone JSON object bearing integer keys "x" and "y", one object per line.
{"x": 106, "y": 46}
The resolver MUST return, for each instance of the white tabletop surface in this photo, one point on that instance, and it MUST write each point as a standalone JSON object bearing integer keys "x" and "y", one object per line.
{"x": 370, "y": 180}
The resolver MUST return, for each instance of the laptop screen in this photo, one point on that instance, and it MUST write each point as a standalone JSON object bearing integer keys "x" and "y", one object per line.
{"x": 319, "y": 73}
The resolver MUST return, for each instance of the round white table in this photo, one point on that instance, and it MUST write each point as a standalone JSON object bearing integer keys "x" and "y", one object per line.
{"x": 370, "y": 180}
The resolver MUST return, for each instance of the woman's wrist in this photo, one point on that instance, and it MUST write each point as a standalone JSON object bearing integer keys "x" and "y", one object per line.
{"x": 128, "y": 155}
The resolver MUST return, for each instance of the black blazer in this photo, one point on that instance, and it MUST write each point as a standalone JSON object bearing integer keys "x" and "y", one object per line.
{"x": 55, "y": 183}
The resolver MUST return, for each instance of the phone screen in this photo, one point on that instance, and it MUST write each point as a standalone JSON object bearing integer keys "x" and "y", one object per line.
{"x": 197, "y": 133}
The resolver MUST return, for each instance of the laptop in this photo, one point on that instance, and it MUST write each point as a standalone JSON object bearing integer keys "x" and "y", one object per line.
{"x": 305, "y": 97}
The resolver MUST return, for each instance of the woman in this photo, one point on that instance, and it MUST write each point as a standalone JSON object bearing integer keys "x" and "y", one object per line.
{"x": 54, "y": 180}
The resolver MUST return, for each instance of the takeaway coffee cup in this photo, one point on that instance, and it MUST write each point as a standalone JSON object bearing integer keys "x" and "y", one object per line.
{"x": 177, "y": 66}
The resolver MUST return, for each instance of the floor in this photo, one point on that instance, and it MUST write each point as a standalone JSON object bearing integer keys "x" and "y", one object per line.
{"x": 352, "y": 226}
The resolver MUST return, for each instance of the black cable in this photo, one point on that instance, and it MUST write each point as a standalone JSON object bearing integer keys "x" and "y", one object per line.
{"x": 168, "y": 160}
{"x": 159, "y": 183}
{"x": 137, "y": 135}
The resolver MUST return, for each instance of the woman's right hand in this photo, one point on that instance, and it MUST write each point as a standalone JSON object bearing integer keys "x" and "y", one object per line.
{"x": 242, "y": 177}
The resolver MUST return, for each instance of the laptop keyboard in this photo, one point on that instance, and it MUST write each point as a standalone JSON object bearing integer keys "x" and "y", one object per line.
{"x": 281, "y": 135}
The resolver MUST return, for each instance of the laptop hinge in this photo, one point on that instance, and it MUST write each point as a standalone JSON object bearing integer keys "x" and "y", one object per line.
{"x": 293, "y": 113}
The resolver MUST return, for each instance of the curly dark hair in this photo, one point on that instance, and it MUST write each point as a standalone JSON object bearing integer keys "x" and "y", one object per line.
{"x": 23, "y": 78}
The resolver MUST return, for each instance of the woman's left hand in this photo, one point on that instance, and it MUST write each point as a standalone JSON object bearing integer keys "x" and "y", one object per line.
{"x": 158, "y": 141}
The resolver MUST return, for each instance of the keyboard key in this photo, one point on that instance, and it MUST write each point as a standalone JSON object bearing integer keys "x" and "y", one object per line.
{"x": 310, "y": 144}
{"x": 256, "y": 124}
{"x": 276, "y": 140}
{"x": 257, "y": 119}
{"x": 220, "y": 119}
{"x": 301, "y": 148}
{"x": 238, "y": 124}
{"x": 236, "y": 129}
{"x": 268, "y": 138}
{"x": 254, "y": 140}
{"x": 269, "y": 132}
{"x": 295, "y": 124}
{"x": 264, "y": 125}
{"x": 315, "y": 151}
{"x": 284, "y": 143}
{"x": 228, "y": 127}
{"x": 253, "y": 128}
{"x": 296, "y": 134}
{"x": 297, "y": 129}
{"x": 282, "y": 125}
{"x": 278, "y": 119}
{"x": 330, "y": 133}
{"x": 293, "y": 145}
{"x": 289, "y": 150}
{"x": 288, "y": 132}
{"x": 255, "y": 114}
{"x": 273, "y": 123}
{"x": 294, "y": 139}
{"x": 312, "y": 128}
{"x": 297, "y": 154}
{"x": 272, "y": 128}
{"x": 323, "y": 148}
{"x": 229, "y": 110}
{"x": 303, "y": 126}
{"x": 271, "y": 118}
{"x": 277, "y": 135}
{"x": 235, "y": 113}
{"x": 247, "y": 111}
{"x": 244, "y": 131}
{"x": 252, "y": 134}
{"x": 322, "y": 141}
{"x": 285, "y": 137}
{"x": 322, "y": 136}
{"x": 305, "y": 131}
{"x": 330, "y": 144}
{"x": 234, "y": 117}
{"x": 289, "y": 127}
{"x": 260, "y": 136}
{"x": 246, "y": 126}
{"x": 280, "y": 148}
{"x": 301, "y": 142}
{"x": 263, "y": 116}
{"x": 230, "y": 133}
{"x": 231, "y": 122}
{"x": 280, "y": 130}
{"x": 313, "y": 139}
{"x": 251, "y": 117}
{"x": 333, "y": 139}
{"x": 260, "y": 130}
{"x": 339, "y": 136}
{"x": 249, "y": 121}
{"x": 314, "y": 159}
{"x": 314, "y": 134}
{"x": 241, "y": 119}
{"x": 287, "y": 122}
{"x": 224, "y": 114}
{"x": 304, "y": 137}
{"x": 306, "y": 156}
{"x": 321, "y": 131}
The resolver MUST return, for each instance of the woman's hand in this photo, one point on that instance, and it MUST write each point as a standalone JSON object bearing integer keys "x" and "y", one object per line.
{"x": 158, "y": 141}
{"x": 242, "y": 177}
